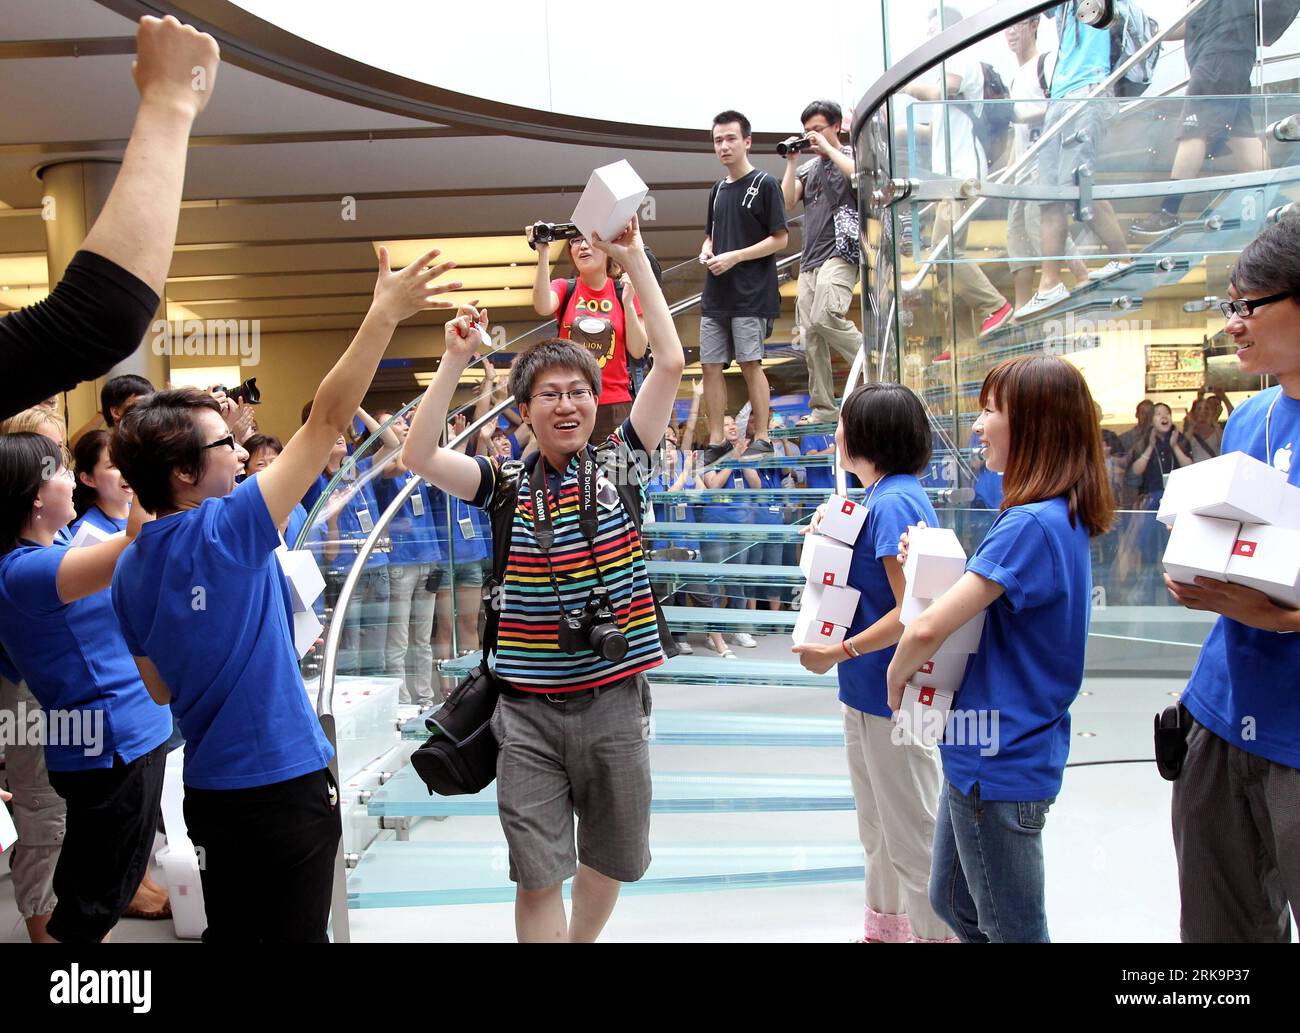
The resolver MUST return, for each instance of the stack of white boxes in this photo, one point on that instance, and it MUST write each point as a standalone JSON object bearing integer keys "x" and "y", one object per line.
{"x": 1237, "y": 520}
{"x": 305, "y": 586}
{"x": 935, "y": 562}
{"x": 828, "y": 603}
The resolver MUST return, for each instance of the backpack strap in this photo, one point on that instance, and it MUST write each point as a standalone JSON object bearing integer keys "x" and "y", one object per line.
{"x": 1043, "y": 84}
{"x": 502, "y": 517}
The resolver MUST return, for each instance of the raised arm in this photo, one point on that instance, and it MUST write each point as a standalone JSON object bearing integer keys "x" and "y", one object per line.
{"x": 398, "y": 295}
{"x": 545, "y": 300}
{"x": 653, "y": 406}
{"x": 84, "y": 572}
{"x": 452, "y": 471}
{"x": 388, "y": 439}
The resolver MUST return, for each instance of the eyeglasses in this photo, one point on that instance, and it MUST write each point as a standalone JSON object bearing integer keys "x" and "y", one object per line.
{"x": 578, "y": 396}
{"x": 229, "y": 439}
{"x": 1245, "y": 307}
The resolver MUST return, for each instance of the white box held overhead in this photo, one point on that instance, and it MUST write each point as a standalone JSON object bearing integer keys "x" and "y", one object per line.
{"x": 1199, "y": 546}
{"x": 1233, "y": 486}
{"x": 808, "y": 629}
{"x": 1267, "y": 559}
{"x": 824, "y": 561}
{"x": 611, "y": 198}
{"x": 843, "y": 519}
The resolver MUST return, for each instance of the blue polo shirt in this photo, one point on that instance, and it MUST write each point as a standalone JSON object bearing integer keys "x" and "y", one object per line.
{"x": 413, "y": 530}
{"x": 96, "y": 517}
{"x": 201, "y": 594}
{"x": 73, "y": 658}
{"x": 1245, "y": 687}
{"x": 1029, "y": 667}
{"x": 899, "y": 501}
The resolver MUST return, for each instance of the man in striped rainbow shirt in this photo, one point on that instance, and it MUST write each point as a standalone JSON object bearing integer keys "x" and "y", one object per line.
{"x": 572, "y": 719}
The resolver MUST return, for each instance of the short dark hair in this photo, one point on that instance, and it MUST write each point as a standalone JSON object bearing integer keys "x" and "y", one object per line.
{"x": 260, "y": 441}
{"x": 117, "y": 391}
{"x": 885, "y": 424}
{"x": 828, "y": 109}
{"x": 1270, "y": 262}
{"x": 157, "y": 436}
{"x": 85, "y": 457}
{"x": 554, "y": 353}
{"x": 26, "y": 461}
{"x": 723, "y": 117}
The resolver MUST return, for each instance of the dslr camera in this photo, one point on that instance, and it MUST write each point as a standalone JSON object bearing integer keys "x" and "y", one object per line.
{"x": 248, "y": 392}
{"x": 545, "y": 232}
{"x": 802, "y": 144}
{"x": 594, "y": 627}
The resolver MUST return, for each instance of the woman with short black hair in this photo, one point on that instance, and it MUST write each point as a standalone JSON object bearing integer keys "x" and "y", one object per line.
{"x": 883, "y": 437}
{"x": 105, "y": 738}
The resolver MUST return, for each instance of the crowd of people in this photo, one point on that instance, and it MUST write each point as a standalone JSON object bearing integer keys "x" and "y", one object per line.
{"x": 173, "y": 621}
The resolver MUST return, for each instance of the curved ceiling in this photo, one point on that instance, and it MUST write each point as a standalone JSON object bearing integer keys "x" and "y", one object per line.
{"x": 561, "y": 70}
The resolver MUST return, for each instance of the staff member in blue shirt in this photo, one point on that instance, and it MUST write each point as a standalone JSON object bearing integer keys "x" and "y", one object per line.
{"x": 1032, "y": 578}
{"x": 1236, "y": 802}
{"x": 884, "y": 437}
{"x": 105, "y": 742}
{"x": 207, "y": 614}
{"x": 101, "y": 498}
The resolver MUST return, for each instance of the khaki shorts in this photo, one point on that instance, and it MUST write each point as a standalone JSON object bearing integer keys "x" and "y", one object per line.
{"x": 587, "y": 759}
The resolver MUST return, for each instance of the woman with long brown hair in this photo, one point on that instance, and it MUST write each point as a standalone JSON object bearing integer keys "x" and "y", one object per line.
{"x": 1008, "y": 738}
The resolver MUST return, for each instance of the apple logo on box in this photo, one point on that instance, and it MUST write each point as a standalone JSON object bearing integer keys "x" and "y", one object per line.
{"x": 1282, "y": 458}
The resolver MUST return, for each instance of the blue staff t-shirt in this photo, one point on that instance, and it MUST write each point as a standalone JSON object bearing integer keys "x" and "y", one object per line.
{"x": 201, "y": 594}
{"x": 899, "y": 501}
{"x": 413, "y": 531}
{"x": 73, "y": 658}
{"x": 734, "y": 512}
{"x": 818, "y": 476}
{"x": 669, "y": 510}
{"x": 1245, "y": 687}
{"x": 1029, "y": 667}
{"x": 96, "y": 517}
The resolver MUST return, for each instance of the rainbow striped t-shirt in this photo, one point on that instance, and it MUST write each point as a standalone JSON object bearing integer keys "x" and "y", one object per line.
{"x": 528, "y": 653}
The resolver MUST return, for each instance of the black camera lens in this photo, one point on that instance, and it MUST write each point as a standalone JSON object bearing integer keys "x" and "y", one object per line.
{"x": 799, "y": 145}
{"x": 608, "y": 642}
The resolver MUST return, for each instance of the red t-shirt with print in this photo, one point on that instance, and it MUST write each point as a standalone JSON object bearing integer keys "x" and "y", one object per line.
{"x": 595, "y": 319}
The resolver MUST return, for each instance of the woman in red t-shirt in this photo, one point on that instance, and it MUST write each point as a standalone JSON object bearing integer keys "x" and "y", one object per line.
{"x": 594, "y": 315}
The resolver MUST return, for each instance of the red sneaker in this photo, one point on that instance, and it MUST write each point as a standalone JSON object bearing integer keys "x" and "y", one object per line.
{"x": 996, "y": 320}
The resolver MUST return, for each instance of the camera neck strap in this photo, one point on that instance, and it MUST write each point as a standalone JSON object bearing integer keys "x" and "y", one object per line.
{"x": 588, "y": 517}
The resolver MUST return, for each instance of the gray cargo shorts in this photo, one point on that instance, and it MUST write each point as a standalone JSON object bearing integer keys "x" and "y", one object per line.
{"x": 739, "y": 337}
{"x": 587, "y": 759}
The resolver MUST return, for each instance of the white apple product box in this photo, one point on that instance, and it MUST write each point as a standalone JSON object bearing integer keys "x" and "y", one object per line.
{"x": 843, "y": 519}
{"x": 944, "y": 672}
{"x": 1289, "y": 515}
{"x": 1267, "y": 559}
{"x": 1200, "y": 546}
{"x": 1233, "y": 486}
{"x": 180, "y": 865}
{"x": 613, "y": 194}
{"x": 965, "y": 639}
{"x": 935, "y": 561}
{"x": 830, "y": 604}
{"x": 89, "y": 534}
{"x": 923, "y": 715}
{"x": 306, "y": 630}
{"x": 824, "y": 561}
{"x": 305, "y": 581}
{"x": 808, "y": 629}
{"x": 8, "y": 834}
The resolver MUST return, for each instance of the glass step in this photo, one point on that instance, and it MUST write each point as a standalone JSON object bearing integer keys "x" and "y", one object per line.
{"x": 705, "y": 728}
{"x": 775, "y": 462}
{"x": 705, "y": 670}
{"x": 696, "y": 572}
{"x": 405, "y": 796}
{"x": 426, "y": 874}
{"x": 669, "y": 531}
{"x": 799, "y": 430}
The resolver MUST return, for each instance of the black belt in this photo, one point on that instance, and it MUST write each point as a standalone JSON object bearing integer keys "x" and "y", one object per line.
{"x": 557, "y": 698}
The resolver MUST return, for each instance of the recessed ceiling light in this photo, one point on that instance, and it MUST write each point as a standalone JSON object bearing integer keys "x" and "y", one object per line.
{"x": 1087, "y": 735}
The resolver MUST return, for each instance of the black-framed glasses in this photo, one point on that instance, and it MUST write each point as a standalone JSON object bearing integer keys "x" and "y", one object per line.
{"x": 1245, "y": 307}
{"x": 229, "y": 439}
{"x": 577, "y": 396}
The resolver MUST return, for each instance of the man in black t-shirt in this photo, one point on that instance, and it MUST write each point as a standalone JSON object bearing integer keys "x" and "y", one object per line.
{"x": 828, "y": 269}
{"x": 744, "y": 229}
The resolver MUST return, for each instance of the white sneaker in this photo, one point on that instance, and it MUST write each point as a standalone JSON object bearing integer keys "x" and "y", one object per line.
{"x": 745, "y": 639}
{"x": 1042, "y": 301}
{"x": 1108, "y": 270}
{"x": 685, "y": 648}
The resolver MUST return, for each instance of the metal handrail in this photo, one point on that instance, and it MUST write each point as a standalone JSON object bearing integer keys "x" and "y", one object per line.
{"x": 959, "y": 224}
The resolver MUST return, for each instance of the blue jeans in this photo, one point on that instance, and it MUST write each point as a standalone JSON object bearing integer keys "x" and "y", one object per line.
{"x": 986, "y": 872}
